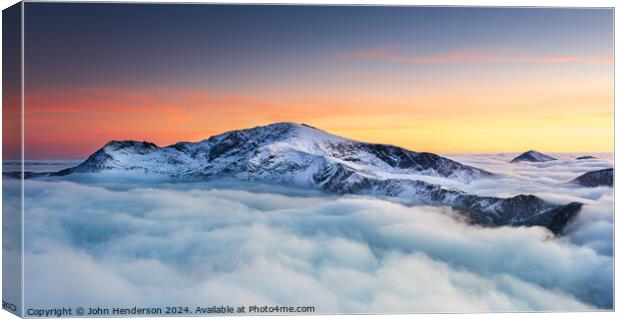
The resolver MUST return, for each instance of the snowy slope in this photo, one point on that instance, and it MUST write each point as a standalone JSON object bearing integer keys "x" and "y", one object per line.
{"x": 300, "y": 155}
{"x": 278, "y": 151}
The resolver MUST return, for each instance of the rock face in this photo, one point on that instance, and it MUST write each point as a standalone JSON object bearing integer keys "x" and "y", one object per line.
{"x": 532, "y": 156}
{"x": 303, "y": 156}
{"x": 585, "y": 157}
{"x": 603, "y": 177}
{"x": 521, "y": 210}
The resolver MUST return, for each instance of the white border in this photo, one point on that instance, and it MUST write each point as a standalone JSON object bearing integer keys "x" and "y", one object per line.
{"x": 486, "y": 3}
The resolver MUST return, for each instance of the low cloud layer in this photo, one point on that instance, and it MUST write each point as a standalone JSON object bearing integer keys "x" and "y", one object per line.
{"x": 195, "y": 244}
{"x": 549, "y": 180}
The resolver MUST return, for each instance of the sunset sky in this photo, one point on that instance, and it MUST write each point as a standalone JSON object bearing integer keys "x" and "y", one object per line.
{"x": 444, "y": 80}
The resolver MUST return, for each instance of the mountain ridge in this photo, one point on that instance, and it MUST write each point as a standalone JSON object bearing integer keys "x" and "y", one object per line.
{"x": 602, "y": 177}
{"x": 276, "y": 138}
{"x": 300, "y": 155}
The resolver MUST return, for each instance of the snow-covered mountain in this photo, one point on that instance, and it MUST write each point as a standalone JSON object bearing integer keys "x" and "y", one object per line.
{"x": 303, "y": 156}
{"x": 281, "y": 151}
{"x": 603, "y": 177}
{"x": 532, "y": 156}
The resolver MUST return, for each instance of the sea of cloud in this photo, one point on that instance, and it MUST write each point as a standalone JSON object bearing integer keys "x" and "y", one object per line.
{"x": 90, "y": 243}
{"x": 550, "y": 181}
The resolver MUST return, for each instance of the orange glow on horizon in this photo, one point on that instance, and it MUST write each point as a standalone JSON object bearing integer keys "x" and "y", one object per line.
{"x": 59, "y": 124}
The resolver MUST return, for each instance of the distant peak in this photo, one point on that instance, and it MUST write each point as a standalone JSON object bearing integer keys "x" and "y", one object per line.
{"x": 532, "y": 156}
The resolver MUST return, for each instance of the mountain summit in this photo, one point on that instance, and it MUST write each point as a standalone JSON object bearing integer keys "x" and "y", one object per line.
{"x": 303, "y": 156}
{"x": 281, "y": 151}
{"x": 532, "y": 156}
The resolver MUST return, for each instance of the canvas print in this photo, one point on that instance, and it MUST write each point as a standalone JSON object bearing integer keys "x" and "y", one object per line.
{"x": 203, "y": 159}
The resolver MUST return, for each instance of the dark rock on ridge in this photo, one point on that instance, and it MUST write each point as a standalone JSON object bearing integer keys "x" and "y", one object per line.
{"x": 603, "y": 177}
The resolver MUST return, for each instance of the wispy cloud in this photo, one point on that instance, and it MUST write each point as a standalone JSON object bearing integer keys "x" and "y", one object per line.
{"x": 472, "y": 54}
